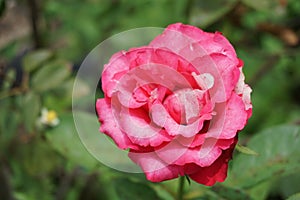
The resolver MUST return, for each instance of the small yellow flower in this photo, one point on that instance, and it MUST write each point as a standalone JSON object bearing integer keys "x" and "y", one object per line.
{"x": 49, "y": 117}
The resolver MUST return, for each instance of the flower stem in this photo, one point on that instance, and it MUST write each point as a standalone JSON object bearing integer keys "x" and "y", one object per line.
{"x": 181, "y": 187}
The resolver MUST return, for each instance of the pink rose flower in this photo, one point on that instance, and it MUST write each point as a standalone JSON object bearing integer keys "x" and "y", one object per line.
{"x": 177, "y": 104}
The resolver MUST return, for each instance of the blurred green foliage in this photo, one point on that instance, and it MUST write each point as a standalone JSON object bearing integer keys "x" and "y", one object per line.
{"x": 2, "y": 6}
{"x": 39, "y": 161}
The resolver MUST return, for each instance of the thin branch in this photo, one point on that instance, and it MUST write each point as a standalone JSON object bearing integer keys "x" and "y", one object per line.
{"x": 181, "y": 188}
{"x": 66, "y": 183}
{"x": 34, "y": 18}
{"x": 270, "y": 63}
{"x": 6, "y": 191}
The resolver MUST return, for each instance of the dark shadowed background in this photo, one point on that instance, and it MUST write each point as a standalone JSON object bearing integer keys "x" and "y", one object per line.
{"x": 42, "y": 44}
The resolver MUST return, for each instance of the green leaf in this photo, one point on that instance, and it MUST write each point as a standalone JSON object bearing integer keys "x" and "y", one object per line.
{"x": 21, "y": 196}
{"x": 261, "y": 190}
{"x": 8, "y": 81}
{"x": 288, "y": 185}
{"x": 64, "y": 139}
{"x": 9, "y": 122}
{"x": 31, "y": 108}
{"x": 35, "y": 59}
{"x": 60, "y": 98}
{"x": 272, "y": 44}
{"x": 162, "y": 192}
{"x": 37, "y": 157}
{"x": 50, "y": 75}
{"x": 230, "y": 193}
{"x": 218, "y": 191}
{"x": 294, "y": 197}
{"x": 265, "y": 5}
{"x": 278, "y": 150}
{"x": 245, "y": 150}
{"x": 127, "y": 189}
{"x": 204, "y": 13}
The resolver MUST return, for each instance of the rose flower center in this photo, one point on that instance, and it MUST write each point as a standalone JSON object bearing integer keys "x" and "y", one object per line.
{"x": 184, "y": 105}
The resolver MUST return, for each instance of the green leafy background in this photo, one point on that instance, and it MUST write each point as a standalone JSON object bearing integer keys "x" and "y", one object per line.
{"x": 36, "y": 72}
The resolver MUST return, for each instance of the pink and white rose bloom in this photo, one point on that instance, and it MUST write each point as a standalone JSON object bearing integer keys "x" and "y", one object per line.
{"x": 177, "y": 104}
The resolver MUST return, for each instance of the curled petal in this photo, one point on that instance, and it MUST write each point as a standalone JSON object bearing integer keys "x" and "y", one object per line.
{"x": 148, "y": 74}
{"x": 155, "y": 169}
{"x": 137, "y": 126}
{"x": 162, "y": 118}
{"x": 210, "y": 42}
{"x": 110, "y": 127}
{"x": 229, "y": 119}
{"x": 205, "y": 81}
{"x": 244, "y": 90}
{"x": 116, "y": 68}
{"x": 204, "y": 155}
{"x": 216, "y": 172}
{"x": 247, "y": 99}
{"x": 176, "y": 153}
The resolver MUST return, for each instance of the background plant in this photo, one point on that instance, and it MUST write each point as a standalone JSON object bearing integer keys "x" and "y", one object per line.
{"x": 37, "y": 70}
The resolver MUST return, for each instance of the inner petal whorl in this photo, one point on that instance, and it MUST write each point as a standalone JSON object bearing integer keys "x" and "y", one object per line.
{"x": 184, "y": 105}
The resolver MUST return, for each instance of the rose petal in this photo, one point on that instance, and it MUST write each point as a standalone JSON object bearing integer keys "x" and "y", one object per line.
{"x": 224, "y": 72}
{"x": 210, "y": 42}
{"x": 138, "y": 127}
{"x": 186, "y": 105}
{"x": 162, "y": 118}
{"x": 239, "y": 88}
{"x": 210, "y": 175}
{"x": 176, "y": 153}
{"x": 118, "y": 65}
{"x": 244, "y": 90}
{"x": 192, "y": 142}
{"x": 228, "y": 70}
{"x": 148, "y": 74}
{"x": 178, "y": 104}
{"x": 208, "y": 52}
{"x": 217, "y": 172}
{"x": 155, "y": 169}
{"x": 247, "y": 99}
{"x": 110, "y": 127}
{"x": 229, "y": 119}
{"x": 206, "y": 154}
{"x": 205, "y": 80}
